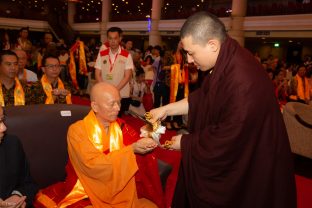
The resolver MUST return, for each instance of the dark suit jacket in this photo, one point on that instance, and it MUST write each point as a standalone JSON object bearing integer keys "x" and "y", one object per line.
{"x": 14, "y": 170}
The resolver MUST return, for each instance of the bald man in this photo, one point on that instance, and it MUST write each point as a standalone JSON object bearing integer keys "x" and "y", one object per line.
{"x": 24, "y": 74}
{"x": 102, "y": 161}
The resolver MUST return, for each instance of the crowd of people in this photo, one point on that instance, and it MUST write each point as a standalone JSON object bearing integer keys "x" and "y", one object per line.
{"x": 292, "y": 82}
{"x": 231, "y": 156}
{"x": 149, "y": 82}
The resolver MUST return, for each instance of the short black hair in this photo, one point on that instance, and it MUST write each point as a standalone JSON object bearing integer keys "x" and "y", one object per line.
{"x": 203, "y": 26}
{"x": 24, "y": 28}
{"x": 149, "y": 57}
{"x": 45, "y": 57}
{"x": 6, "y": 53}
{"x": 161, "y": 52}
{"x": 139, "y": 71}
{"x": 115, "y": 29}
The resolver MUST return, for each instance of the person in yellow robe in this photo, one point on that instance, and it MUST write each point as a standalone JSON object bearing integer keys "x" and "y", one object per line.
{"x": 102, "y": 162}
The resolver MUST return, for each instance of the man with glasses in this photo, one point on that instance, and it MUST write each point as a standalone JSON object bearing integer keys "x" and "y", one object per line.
{"x": 50, "y": 89}
{"x": 12, "y": 91}
{"x": 16, "y": 186}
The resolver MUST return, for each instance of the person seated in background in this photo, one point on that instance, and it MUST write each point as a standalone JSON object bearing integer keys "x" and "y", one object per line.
{"x": 137, "y": 90}
{"x": 299, "y": 85}
{"x": 23, "y": 41}
{"x": 24, "y": 75}
{"x": 50, "y": 89}
{"x": 12, "y": 91}
{"x": 16, "y": 186}
{"x": 281, "y": 87}
{"x": 148, "y": 101}
{"x": 103, "y": 166}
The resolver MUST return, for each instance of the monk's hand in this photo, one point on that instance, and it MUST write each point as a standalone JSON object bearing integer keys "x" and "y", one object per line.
{"x": 157, "y": 114}
{"x": 14, "y": 201}
{"x": 144, "y": 145}
{"x": 175, "y": 142}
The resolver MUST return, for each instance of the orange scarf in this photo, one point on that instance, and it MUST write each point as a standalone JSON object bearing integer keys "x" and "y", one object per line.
{"x": 97, "y": 137}
{"x": 82, "y": 62}
{"x": 178, "y": 77}
{"x": 19, "y": 95}
{"x": 303, "y": 92}
{"x": 47, "y": 87}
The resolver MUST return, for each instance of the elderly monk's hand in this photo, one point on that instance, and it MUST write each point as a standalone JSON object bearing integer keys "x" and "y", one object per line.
{"x": 144, "y": 145}
{"x": 13, "y": 201}
{"x": 158, "y": 114}
{"x": 176, "y": 142}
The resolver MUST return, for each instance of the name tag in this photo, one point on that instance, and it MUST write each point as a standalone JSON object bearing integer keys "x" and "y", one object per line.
{"x": 109, "y": 76}
{"x": 65, "y": 113}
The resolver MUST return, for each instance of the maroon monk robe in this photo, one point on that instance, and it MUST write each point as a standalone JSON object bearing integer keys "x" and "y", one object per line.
{"x": 237, "y": 154}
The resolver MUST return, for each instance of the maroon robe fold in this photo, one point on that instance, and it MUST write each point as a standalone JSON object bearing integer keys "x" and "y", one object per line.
{"x": 237, "y": 154}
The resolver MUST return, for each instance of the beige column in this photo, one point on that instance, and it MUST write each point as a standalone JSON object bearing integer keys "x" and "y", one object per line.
{"x": 154, "y": 34}
{"x": 71, "y": 12}
{"x": 106, "y": 9}
{"x": 236, "y": 30}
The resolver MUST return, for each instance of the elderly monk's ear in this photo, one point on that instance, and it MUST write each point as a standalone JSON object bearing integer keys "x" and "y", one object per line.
{"x": 213, "y": 45}
{"x": 94, "y": 106}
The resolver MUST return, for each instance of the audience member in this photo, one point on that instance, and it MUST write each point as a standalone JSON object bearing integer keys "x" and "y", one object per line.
{"x": 161, "y": 90}
{"x": 5, "y": 41}
{"x": 129, "y": 46}
{"x": 64, "y": 61}
{"x": 114, "y": 65}
{"x": 281, "y": 87}
{"x": 237, "y": 152}
{"x": 138, "y": 89}
{"x": 17, "y": 188}
{"x": 300, "y": 89}
{"x": 12, "y": 91}
{"x": 23, "y": 74}
{"x": 148, "y": 101}
{"x": 23, "y": 42}
{"x": 102, "y": 161}
{"x": 179, "y": 84}
{"x": 50, "y": 89}
{"x": 78, "y": 66}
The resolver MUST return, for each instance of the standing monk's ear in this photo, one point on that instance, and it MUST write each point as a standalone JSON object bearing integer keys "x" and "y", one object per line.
{"x": 214, "y": 45}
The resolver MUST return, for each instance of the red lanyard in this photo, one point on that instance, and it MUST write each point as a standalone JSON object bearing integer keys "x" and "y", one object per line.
{"x": 110, "y": 62}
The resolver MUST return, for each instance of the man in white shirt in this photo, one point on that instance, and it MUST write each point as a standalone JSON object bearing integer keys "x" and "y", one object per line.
{"x": 114, "y": 65}
{"x": 24, "y": 74}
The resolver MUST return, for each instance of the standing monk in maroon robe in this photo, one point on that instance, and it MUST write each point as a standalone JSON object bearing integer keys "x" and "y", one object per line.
{"x": 237, "y": 152}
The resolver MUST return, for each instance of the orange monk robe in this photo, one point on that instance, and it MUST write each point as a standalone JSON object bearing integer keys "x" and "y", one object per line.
{"x": 108, "y": 179}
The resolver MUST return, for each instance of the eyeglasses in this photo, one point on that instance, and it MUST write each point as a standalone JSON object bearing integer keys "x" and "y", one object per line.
{"x": 50, "y": 66}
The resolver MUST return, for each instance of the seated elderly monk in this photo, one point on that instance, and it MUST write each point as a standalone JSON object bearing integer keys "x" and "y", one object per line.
{"x": 103, "y": 169}
{"x": 50, "y": 89}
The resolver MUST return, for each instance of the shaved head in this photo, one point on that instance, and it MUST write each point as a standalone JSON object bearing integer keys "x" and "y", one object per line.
{"x": 105, "y": 102}
{"x": 102, "y": 89}
{"x": 203, "y": 26}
